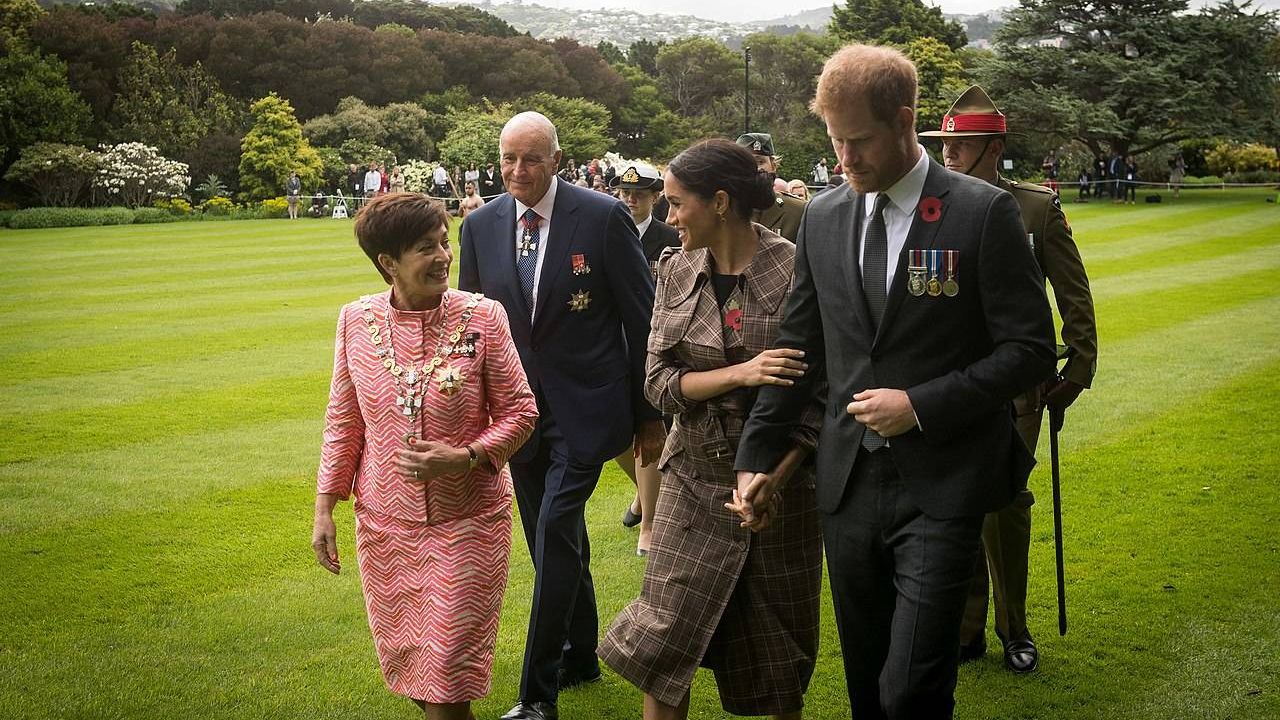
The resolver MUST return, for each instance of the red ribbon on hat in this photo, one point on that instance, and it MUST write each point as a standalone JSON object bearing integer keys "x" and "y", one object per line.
{"x": 974, "y": 123}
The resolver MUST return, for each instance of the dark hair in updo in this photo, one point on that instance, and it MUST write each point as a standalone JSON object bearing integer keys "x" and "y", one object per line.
{"x": 718, "y": 164}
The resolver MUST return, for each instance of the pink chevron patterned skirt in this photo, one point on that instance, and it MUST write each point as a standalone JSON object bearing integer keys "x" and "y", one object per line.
{"x": 434, "y": 594}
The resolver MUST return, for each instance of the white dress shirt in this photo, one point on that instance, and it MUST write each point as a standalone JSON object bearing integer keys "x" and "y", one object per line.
{"x": 904, "y": 197}
{"x": 543, "y": 207}
{"x": 642, "y": 227}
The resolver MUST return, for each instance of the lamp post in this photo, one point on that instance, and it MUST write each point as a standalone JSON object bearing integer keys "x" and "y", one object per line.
{"x": 746, "y": 86}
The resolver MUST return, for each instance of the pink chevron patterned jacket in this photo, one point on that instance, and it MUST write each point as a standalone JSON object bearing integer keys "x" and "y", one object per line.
{"x": 364, "y": 426}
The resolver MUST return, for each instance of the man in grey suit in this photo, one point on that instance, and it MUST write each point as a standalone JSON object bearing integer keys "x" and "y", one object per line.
{"x": 915, "y": 288}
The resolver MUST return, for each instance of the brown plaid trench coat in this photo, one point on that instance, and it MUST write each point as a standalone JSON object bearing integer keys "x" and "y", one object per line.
{"x": 714, "y": 594}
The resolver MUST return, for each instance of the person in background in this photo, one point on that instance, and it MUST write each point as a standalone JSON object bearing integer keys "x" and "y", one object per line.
{"x": 319, "y": 205}
{"x": 1131, "y": 179}
{"x": 974, "y": 136}
{"x": 1050, "y": 168}
{"x": 1177, "y": 171}
{"x": 470, "y": 201}
{"x": 799, "y": 189}
{"x": 722, "y": 589}
{"x": 470, "y": 175}
{"x": 783, "y": 217}
{"x": 396, "y": 182}
{"x": 418, "y": 428}
{"x": 639, "y": 187}
{"x": 490, "y": 183}
{"x": 372, "y": 181}
{"x": 355, "y": 183}
{"x": 384, "y": 181}
{"x": 439, "y": 182}
{"x": 293, "y": 194}
{"x": 820, "y": 173}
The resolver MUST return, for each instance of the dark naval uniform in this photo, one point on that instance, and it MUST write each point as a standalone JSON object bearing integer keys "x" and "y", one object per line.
{"x": 1006, "y": 533}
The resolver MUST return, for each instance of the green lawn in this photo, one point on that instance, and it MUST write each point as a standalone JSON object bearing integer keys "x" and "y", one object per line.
{"x": 161, "y": 396}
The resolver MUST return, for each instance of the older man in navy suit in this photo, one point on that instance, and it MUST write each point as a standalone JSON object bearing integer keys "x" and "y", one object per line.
{"x": 566, "y": 264}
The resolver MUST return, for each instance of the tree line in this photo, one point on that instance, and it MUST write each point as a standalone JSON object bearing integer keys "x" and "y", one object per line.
{"x": 394, "y": 79}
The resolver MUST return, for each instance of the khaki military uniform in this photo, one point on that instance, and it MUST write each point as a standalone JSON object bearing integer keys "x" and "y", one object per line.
{"x": 1006, "y": 534}
{"x": 784, "y": 217}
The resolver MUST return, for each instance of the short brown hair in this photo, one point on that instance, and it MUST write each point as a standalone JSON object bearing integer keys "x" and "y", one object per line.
{"x": 393, "y": 222}
{"x": 880, "y": 76}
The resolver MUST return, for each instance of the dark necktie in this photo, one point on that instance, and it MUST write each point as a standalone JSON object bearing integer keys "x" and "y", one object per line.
{"x": 527, "y": 254}
{"x": 875, "y": 258}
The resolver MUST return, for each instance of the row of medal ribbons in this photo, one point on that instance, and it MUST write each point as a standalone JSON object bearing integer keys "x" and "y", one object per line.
{"x": 933, "y": 273}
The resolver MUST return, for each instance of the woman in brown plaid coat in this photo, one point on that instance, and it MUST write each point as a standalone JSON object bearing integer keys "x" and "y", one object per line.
{"x": 723, "y": 588}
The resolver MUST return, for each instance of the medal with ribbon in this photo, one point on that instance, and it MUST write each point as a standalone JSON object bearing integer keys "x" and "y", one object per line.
{"x": 951, "y": 286}
{"x": 934, "y": 286}
{"x": 580, "y": 266}
{"x": 916, "y": 272}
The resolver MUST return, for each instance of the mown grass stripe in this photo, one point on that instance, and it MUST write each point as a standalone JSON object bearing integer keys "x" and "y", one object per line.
{"x": 36, "y": 434}
{"x": 77, "y": 486}
{"x": 163, "y": 347}
{"x": 1182, "y": 245}
{"x": 1146, "y": 280}
{"x": 1121, "y": 317}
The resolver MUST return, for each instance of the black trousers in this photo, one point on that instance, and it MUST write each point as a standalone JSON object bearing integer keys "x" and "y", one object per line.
{"x": 899, "y": 579}
{"x": 552, "y": 491}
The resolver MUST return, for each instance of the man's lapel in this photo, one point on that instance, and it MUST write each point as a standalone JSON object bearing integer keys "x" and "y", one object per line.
{"x": 504, "y": 248}
{"x": 848, "y": 232}
{"x": 921, "y": 235}
{"x": 564, "y": 220}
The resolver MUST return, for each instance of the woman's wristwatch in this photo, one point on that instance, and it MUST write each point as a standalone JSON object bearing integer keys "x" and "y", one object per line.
{"x": 472, "y": 458}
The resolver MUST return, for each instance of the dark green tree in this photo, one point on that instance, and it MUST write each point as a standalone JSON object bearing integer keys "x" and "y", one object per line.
{"x": 695, "y": 72}
{"x": 273, "y": 148}
{"x": 1129, "y": 76}
{"x": 896, "y": 22}
{"x": 36, "y": 103}
{"x": 169, "y": 105}
{"x": 644, "y": 54}
{"x": 610, "y": 52}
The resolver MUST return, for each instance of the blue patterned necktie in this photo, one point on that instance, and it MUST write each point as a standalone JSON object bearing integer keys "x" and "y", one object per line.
{"x": 527, "y": 254}
{"x": 875, "y": 260}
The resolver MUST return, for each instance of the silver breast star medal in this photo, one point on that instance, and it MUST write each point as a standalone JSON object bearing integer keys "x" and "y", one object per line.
{"x": 449, "y": 379}
{"x": 579, "y": 301}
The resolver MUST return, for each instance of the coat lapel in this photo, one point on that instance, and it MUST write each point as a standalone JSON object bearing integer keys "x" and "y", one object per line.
{"x": 505, "y": 222}
{"x": 921, "y": 235}
{"x": 564, "y": 221}
{"x": 848, "y": 232}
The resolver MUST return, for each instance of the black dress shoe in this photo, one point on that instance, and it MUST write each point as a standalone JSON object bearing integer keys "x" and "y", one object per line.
{"x": 1021, "y": 656}
{"x": 566, "y": 678}
{"x": 973, "y": 650}
{"x": 532, "y": 711}
{"x": 630, "y": 519}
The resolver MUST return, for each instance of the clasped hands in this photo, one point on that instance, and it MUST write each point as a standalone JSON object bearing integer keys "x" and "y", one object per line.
{"x": 425, "y": 460}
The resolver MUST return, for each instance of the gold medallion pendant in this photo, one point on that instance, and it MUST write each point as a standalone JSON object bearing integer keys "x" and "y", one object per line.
{"x": 449, "y": 379}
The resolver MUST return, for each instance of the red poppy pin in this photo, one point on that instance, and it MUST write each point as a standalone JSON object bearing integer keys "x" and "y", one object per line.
{"x": 733, "y": 318}
{"x": 930, "y": 209}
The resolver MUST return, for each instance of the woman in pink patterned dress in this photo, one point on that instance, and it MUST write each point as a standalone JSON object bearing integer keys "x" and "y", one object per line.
{"x": 428, "y": 401}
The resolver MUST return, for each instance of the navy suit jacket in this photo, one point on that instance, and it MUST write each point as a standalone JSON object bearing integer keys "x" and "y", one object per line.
{"x": 586, "y": 365}
{"x": 960, "y": 359}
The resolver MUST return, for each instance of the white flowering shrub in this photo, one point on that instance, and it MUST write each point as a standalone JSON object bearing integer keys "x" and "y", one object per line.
{"x": 417, "y": 175}
{"x": 134, "y": 174}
